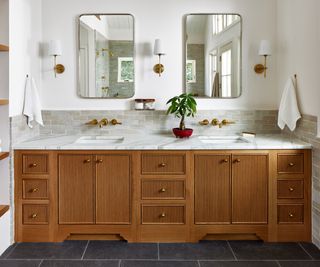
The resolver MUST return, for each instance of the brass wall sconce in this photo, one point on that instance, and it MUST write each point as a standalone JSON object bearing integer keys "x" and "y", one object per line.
{"x": 55, "y": 50}
{"x": 158, "y": 68}
{"x": 265, "y": 50}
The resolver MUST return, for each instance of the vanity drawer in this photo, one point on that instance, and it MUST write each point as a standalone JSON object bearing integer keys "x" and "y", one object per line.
{"x": 292, "y": 213}
{"x": 35, "y": 214}
{"x": 35, "y": 189}
{"x": 35, "y": 164}
{"x": 290, "y": 163}
{"x": 290, "y": 189}
{"x": 163, "y": 189}
{"x": 163, "y": 163}
{"x": 163, "y": 214}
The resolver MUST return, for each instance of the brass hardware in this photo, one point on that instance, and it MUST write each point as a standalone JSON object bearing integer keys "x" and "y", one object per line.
{"x": 225, "y": 160}
{"x": 115, "y": 122}
{"x": 237, "y": 160}
{"x": 260, "y": 68}
{"x": 291, "y": 189}
{"x": 33, "y": 165}
{"x": 291, "y": 215}
{"x": 103, "y": 122}
{"x": 291, "y": 164}
{"x": 87, "y": 161}
{"x": 204, "y": 122}
{"x": 34, "y": 190}
{"x": 225, "y": 122}
{"x": 162, "y": 165}
{"x": 162, "y": 190}
{"x": 162, "y": 215}
{"x": 58, "y": 68}
{"x": 158, "y": 68}
{"x": 215, "y": 122}
{"x": 99, "y": 161}
{"x": 35, "y": 215}
{"x": 92, "y": 122}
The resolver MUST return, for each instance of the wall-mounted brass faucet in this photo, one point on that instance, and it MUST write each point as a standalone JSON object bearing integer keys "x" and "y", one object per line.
{"x": 216, "y": 122}
{"x": 103, "y": 122}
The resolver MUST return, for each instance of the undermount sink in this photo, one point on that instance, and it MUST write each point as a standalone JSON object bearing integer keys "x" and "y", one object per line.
{"x": 99, "y": 140}
{"x": 222, "y": 140}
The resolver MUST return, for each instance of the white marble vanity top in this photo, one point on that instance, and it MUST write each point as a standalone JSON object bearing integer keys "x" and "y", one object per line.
{"x": 143, "y": 141}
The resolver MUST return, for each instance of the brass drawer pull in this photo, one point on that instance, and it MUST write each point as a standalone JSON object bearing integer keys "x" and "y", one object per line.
{"x": 99, "y": 161}
{"x": 162, "y": 165}
{"x": 237, "y": 161}
{"x": 291, "y": 164}
{"x": 162, "y": 215}
{"x": 87, "y": 161}
{"x": 291, "y": 189}
{"x": 291, "y": 215}
{"x": 34, "y": 190}
{"x": 225, "y": 161}
{"x": 34, "y": 215}
{"x": 162, "y": 190}
{"x": 33, "y": 165}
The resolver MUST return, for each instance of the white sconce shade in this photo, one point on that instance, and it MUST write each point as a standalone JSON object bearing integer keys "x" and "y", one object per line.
{"x": 55, "y": 48}
{"x": 158, "y": 49}
{"x": 265, "y": 48}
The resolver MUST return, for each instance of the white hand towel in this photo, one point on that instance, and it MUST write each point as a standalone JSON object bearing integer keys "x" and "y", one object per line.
{"x": 32, "y": 105}
{"x": 289, "y": 112}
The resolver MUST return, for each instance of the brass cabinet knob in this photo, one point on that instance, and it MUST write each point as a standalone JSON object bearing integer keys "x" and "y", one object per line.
{"x": 33, "y": 165}
{"x": 291, "y": 215}
{"x": 34, "y": 190}
{"x": 204, "y": 122}
{"x": 162, "y": 190}
{"x": 291, "y": 164}
{"x": 99, "y": 161}
{"x": 291, "y": 189}
{"x": 162, "y": 164}
{"x": 237, "y": 160}
{"x": 34, "y": 215}
{"x": 225, "y": 160}
{"x": 87, "y": 161}
{"x": 162, "y": 215}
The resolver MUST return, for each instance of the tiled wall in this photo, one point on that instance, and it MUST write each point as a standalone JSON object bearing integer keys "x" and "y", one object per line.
{"x": 73, "y": 122}
{"x": 307, "y": 131}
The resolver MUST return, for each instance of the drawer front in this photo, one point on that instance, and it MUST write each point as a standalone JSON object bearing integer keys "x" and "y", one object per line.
{"x": 35, "y": 189}
{"x": 163, "y": 164}
{"x": 290, "y": 163}
{"x": 159, "y": 189}
{"x": 35, "y": 214}
{"x": 288, "y": 214}
{"x": 35, "y": 164}
{"x": 163, "y": 214}
{"x": 290, "y": 189}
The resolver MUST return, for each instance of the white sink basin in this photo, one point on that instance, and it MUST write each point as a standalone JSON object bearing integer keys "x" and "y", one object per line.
{"x": 99, "y": 140}
{"x": 222, "y": 140}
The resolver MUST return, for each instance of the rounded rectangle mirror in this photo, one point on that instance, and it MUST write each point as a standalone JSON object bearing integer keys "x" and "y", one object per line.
{"x": 213, "y": 57}
{"x": 106, "y": 56}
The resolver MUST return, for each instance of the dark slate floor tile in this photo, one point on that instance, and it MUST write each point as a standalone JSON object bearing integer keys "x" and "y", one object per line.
{"x": 159, "y": 264}
{"x": 19, "y": 263}
{"x": 121, "y": 250}
{"x": 238, "y": 264}
{"x": 7, "y": 252}
{"x": 79, "y": 263}
{"x": 212, "y": 250}
{"x": 258, "y": 250}
{"x": 312, "y": 250}
{"x": 65, "y": 250}
{"x": 299, "y": 263}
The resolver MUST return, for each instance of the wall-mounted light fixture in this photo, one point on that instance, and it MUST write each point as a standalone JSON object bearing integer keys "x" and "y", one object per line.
{"x": 265, "y": 50}
{"x": 55, "y": 50}
{"x": 158, "y": 51}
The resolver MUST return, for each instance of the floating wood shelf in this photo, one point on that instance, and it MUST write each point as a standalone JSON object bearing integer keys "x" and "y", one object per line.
{"x": 4, "y": 48}
{"x": 4, "y": 155}
{"x": 3, "y": 209}
{"x": 4, "y": 101}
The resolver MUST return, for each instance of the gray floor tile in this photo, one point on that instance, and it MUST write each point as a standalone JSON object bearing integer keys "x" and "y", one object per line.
{"x": 299, "y": 263}
{"x": 121, "y": 250}
{"x": 159, "y": 264}
{"x": 65, "y": 250}
{"x": 19, "y": 263}
{"x": 79, "y": 263}
{"x": 257, "y": 250}
{"x": 7, "y": 252}
{"x": 312, "y": 250}
{"x": 238, "y": 264}
{"x": 212, "y": 250}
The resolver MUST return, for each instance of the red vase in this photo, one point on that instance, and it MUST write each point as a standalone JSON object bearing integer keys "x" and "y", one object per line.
{"x": 182, "y": 133}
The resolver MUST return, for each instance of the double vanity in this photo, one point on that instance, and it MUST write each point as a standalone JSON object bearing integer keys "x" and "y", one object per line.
{"x": 155, "y": 188}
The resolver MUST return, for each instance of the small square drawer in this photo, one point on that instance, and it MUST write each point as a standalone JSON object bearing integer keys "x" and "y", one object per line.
{"x": 163, "y": 163}
{"x": 35, "y": 164}
{"x": 163, "y": 214}
{"x": 290, "y": 163}
{"x": 35, "y": 189}
{"x": 163, "y": 189}
{"x": 292, "y": 213}
{"x": 290, "y": 189}
{"x": 35, "y": 214}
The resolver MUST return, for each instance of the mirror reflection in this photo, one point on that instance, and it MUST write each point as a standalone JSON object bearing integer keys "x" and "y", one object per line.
{"x": 106, "y": 56}
{"x": 213, "y": 55}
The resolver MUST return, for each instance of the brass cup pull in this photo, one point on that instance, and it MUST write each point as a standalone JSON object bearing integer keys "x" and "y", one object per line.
{"x": 291, "y": 215}
{"x": 291, "y": 164}
{"x": 162, "y": 190}
{"x": 34, "y": 190}
{"x": 237, "y": 160}
{"x": 162, "y": 215}
{"x": 99, "y": 161}
{"x": 291, "y": 189}
{"x": 34, "y": 215}
{"x": 87, "y": 161}
{"x": 33, "y": 165}
{"x": 162, "y": 165}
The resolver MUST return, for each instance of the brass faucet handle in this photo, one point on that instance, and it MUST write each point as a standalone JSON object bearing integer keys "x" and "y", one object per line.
{"x": 115, "y": 122}
{"x": 103, "y": 122}
{"x": 226, "y": 122}
{"x": 92, "y": 122}
{"x": 204, "y": 122}
{"x": 215, "y": 122}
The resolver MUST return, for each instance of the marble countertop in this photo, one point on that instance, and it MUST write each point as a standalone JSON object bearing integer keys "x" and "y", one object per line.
{"x": 144, "y": 141}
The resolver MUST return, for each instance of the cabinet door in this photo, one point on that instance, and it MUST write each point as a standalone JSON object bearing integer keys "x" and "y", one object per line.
{"x": 212, "y": 189}
{"x": 250, "y": 189}
{"x": 76, "y": 189}
{"x": 113, "y": 190}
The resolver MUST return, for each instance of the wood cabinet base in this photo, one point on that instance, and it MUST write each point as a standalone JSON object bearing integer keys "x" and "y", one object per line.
{"x": 162, "y": 196}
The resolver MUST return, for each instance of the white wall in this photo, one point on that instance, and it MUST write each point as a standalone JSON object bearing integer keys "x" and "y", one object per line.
{"x": 163, "y": 20}
{"x": 25, "y": 37}
{"x": 298, "y": 50}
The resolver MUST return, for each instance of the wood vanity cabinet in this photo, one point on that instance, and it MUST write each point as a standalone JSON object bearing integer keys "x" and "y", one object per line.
{"x": 162, "y": 196}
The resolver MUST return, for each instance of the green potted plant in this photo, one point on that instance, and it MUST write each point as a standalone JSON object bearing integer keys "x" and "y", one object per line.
{"x": 182, "y": 106}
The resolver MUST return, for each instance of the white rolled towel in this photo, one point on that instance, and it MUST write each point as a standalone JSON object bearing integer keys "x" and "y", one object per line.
{"x": 289, "y": 112}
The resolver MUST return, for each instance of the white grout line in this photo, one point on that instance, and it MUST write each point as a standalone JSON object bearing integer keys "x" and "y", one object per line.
{"x": 199, "y": 263}
{"x": 305, "y": 251}
{"x": 85, "y": 250}
{"x": 158, "y": 251}
{"x": 234, "y": 255}
{"x": 40, "y": 263}
{"x": 119, "y": 263}
{"x": 278, "y": 263}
